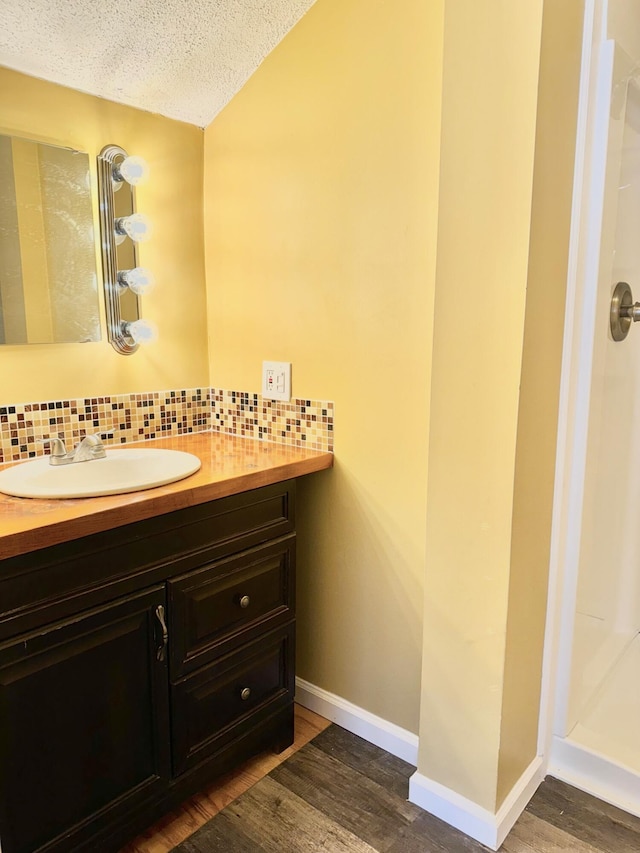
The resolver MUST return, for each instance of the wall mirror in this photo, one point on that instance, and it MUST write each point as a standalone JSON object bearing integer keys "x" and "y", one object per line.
{"x": 48, "y": 281}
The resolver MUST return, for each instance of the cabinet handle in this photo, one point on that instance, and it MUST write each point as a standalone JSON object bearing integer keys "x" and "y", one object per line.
{"x": 245, "y": 601}
{"x": 162, "y": 649}
{"x": 245, "y": 693}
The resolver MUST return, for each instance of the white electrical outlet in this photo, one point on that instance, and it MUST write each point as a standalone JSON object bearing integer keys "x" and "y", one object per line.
{"x": 276, "y": 380}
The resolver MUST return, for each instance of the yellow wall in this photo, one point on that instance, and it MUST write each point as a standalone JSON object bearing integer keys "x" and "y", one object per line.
{"x": 505, "y": 209}
{"x": 172, "y": 198}
{"x": 540, "y": 385}
{"x": 490, "y": 82}
{"x": 321, "y": 180}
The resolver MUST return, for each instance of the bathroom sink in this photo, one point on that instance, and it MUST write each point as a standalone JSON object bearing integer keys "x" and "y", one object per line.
{"x": 122, "y": 470}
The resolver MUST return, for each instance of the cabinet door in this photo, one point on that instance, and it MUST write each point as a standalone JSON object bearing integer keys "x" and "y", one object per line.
{"x": 83, "y": 724}
{"x": 229, "y": 603}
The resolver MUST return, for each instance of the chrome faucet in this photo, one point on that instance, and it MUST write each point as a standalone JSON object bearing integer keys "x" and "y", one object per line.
{"x": 91, "y": 447}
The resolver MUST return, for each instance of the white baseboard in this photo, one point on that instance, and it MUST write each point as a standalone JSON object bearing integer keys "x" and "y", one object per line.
{"x": 592, "y": 772}
{"x": 392, "y": 738}
{"x": 486, "y": 827}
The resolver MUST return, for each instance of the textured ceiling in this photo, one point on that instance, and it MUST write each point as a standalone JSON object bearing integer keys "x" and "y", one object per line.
{"x": 184, "y": 59}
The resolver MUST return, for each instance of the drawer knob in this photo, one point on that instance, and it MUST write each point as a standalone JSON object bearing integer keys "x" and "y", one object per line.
{"x": 245, "y": 601}
{"x": 246, "y": 692}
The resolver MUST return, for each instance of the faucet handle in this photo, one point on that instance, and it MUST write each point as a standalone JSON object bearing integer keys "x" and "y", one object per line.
{"x": 57, "y": 446}
{"x": 90, "y": 439}
{"x": 91, "y": 447}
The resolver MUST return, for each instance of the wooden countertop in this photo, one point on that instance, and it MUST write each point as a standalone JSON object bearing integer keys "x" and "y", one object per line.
{"x": 229, "y": 465}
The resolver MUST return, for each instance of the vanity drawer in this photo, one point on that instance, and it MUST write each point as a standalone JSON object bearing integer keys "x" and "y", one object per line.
{"x": 223, "y": 701}
{"x": 229, "y": 603}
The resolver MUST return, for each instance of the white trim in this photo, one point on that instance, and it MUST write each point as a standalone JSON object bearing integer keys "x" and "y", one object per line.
{"x": 381, "y": 732}
{"x": 486, "y": 827}
{"x": 595, "y": 773}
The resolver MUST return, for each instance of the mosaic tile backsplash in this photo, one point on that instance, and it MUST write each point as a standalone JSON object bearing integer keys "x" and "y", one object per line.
{"x": 161, "y": 414}
{"x": 301, "y": 423}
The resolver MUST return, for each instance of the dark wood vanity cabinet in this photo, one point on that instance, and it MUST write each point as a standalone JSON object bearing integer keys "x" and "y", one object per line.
{"x": 83, "y": 721}
{"x": 137, "y": 665}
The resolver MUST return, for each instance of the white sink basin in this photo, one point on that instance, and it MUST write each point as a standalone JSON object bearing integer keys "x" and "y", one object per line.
{"x": 123, "y": 470}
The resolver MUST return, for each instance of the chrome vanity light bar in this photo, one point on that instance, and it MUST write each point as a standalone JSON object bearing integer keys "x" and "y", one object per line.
{"x": 121, "y": 227}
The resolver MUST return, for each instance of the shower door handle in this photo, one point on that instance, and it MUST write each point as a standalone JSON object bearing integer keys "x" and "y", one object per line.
{"x": 624, "y": 311}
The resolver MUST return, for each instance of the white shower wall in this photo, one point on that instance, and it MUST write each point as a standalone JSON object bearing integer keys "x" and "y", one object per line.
{"x": 608, "y": 589}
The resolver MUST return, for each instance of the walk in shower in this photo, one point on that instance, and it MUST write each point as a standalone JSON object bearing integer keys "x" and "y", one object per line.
{"x": 596, "y": 741}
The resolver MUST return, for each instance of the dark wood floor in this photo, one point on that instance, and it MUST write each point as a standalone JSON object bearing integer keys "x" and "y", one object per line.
{"x": 340, "y": 794}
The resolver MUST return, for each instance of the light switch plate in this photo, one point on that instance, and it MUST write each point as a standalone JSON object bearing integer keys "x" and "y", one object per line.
{"x": 276, "y": 380}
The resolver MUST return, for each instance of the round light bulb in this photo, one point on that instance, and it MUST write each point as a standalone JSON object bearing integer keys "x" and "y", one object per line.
{"x": 133, "y": 170}
{"x": 139, "y": 280}
{"x": 136, "y": 226}
{"x": 142, "y": 331}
